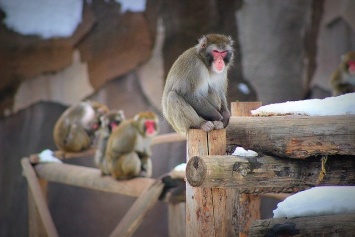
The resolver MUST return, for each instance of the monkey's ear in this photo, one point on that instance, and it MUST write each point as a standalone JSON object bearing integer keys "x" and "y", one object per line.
{"x": 202, "y": 42}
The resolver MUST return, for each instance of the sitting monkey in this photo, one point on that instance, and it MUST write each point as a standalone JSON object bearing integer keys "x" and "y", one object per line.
{"x": 75, "y": 129}
{"x": 108, "y": 123}
{"x": 128, "y": 151}
{"x": 194, "y": 95}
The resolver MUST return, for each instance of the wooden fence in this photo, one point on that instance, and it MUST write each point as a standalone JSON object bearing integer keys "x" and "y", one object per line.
{"x": 223, "y": 192}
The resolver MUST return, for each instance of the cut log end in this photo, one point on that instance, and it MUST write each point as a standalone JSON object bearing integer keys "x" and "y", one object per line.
{"x": 196, "y": 171}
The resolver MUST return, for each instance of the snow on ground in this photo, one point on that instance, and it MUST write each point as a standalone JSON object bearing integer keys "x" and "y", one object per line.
{"x": 46, "y": 18}
{"x": 326, "y": 200}
{"x": 340, "y": 105}
{"x": 133, "y": 6}
{"x": 240, "y": 151}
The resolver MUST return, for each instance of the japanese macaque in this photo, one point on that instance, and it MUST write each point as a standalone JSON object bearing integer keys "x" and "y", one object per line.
{"x": 108, "y": 123}
{"x": 75, "y": 129}
{"x": 343, "y": 78}
{"x": 128, "y": 150}
{"x": 195, "y": 90}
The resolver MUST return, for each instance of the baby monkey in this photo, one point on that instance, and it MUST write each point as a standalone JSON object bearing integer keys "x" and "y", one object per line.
{"x": 108, "y": 123}
{"x": 194, "y": 95}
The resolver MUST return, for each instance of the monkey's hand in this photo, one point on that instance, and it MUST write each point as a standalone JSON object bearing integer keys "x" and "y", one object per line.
{"x": 207, "y": 126}
{"x": 218, "y": 125}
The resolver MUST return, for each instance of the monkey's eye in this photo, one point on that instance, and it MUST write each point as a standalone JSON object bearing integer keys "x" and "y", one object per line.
{"x": 203, "y": 45}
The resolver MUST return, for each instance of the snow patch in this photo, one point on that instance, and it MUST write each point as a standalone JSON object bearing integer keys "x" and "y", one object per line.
{"x": 340, "y": 105}
{"x": 133, "y": 6}
{"x": 46, "y": 18}
{"x": 46, "y": 156}
{"x": 318, "y": 201}
{"x": 240, "y": 151}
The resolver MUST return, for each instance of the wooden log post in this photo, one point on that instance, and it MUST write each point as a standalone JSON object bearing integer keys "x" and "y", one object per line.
{"x": 293, "y": 136}
{"x": 266, "y": 174}
{"x": 208, "y": 210}
{"x": 330, "y": 225}
{"x": 248, "y": 208}
{"x": 40, "y": 220}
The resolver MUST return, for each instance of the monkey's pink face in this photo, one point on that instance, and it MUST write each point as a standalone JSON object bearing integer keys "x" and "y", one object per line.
{"x": 150, "y": 128}
{"x": 351, "y": 67}
{"x": 218, "y": 64}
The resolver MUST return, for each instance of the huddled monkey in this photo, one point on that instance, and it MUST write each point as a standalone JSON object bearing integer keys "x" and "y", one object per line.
{"x": 343, "y": 78}
{"x": 128, "y": 151}
{"x": 108, "y": 122}
{"x": 194, "y": 95}
{"x": 75, "y": 129}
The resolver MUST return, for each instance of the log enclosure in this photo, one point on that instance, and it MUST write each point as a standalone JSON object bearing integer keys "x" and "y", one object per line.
{"x": 303, "y": 152}
{"x": 223, "y": 191}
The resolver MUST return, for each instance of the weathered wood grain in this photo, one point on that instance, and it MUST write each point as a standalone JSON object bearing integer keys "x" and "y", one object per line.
{"x": 268, "y": 174}
{"x": 135, "y": 215}
{"x": 331, "y": 225}
{"x": 91, "y": 178}
{"x": 294, "y": 136}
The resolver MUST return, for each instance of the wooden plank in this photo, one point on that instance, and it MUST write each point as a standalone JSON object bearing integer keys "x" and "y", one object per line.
{"x": 248, "y": 206}
{"x": 91, "y": 178}
{"x": 177, "y": 219}
{"x": 199, "y": 210}
{"x": 39, "y": 200}
{"x": 223, "y": 199}
{"x": 294, "y": 136}
{"x": 208, "y": 211}
{"x": 331, "y": 225}
{"x": 135, "y": 215}
{"x": 248, "y": 210}
{"x": 243, "y": 109}
{"x": 268, "y": 174}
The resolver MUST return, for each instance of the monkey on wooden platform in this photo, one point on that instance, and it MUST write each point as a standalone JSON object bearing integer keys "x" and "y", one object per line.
{"x": 343, "y": 78}
{"x": 75, "y": 129}
{"x": 194, "y": 95}
{"x": 108, "y": 123}
{"x": 128, "y": 151}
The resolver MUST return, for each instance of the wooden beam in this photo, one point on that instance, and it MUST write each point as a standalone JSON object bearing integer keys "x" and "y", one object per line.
{"x": 160, "y": 139}
{"x": 91, "y": 178}
{"x": 331, "y": 225}
{"x": 168, "y": 138}
{"x": 39, "y": 200}
{"x": 268, "y": 174}
{"x": 135, "y": 215}
{"x": 294, "y": 136}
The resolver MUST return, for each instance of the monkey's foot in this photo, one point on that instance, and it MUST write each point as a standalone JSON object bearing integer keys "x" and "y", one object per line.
{"x": 207, "y": 126}
{"x": 218, "y": 124}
